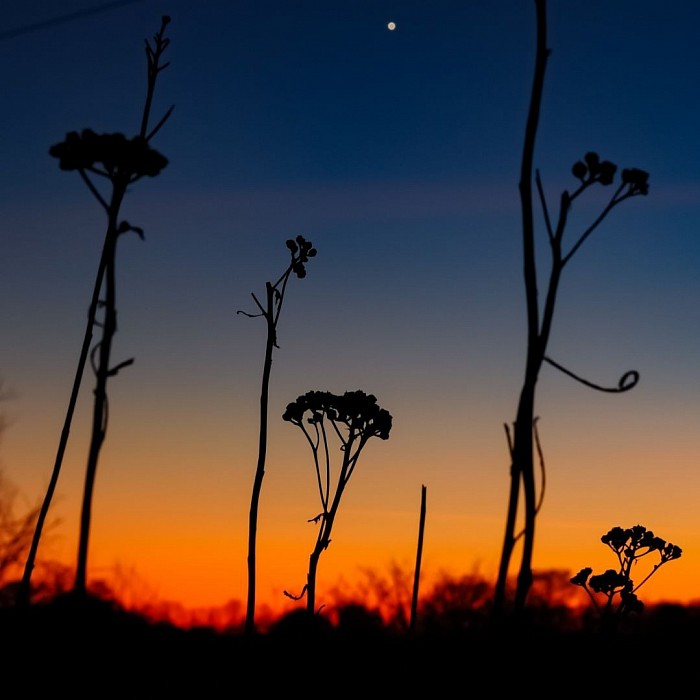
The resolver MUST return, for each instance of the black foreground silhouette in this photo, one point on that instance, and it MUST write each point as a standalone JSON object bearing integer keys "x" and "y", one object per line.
{"x": 63, "y": 643}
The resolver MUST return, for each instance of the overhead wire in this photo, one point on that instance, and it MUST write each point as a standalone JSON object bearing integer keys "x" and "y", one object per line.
{"x": 63, "y": 19}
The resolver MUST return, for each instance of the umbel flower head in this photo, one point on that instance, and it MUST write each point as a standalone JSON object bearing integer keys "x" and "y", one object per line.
{"x": 355, "y": 409}
{"x": 592, "y": 169}
{"x": 301, "y": 251}
{"x": 116, "y": 154}
{"x": 637, "y": 541}
{"x": 629, "y": 545}
{"x": 637, "y": 179}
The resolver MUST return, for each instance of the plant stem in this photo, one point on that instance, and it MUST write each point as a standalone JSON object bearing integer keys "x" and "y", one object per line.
{"x": 522, "y": 463}
{"x": 262, "y": 452}
{"x": 99, "y": 419}
{"x": 24, "y": 592}
{"x": 419, "y": 554}
{"x": 154, "y": 68}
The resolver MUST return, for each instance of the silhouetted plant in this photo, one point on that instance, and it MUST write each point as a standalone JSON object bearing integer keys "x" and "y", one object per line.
{"x": 301, "y": 250}
{"x": 121, "y": 162}
{"x": 389, "y": 594}
{"x": 616, "y": 586}
{"x": 456, "y": 604}
{"x": 16, "y": 531}
{"x": 353, "y": 418}
{"x": 16, "y": 527}
{"x": 591, "y": 172}
{"x": 419, "y": 556}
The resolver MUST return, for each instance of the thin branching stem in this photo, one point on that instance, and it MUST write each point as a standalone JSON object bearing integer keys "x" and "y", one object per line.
{"x": 356, "y": 414}
{"x": 300, "y": 250}
{"x": 112, "y": 212}
{"x": 612, "y": 203}
{"x": 591, "y": 171}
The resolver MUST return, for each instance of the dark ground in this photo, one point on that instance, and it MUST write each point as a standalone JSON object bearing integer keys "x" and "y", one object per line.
{"x": 99, "y": 651}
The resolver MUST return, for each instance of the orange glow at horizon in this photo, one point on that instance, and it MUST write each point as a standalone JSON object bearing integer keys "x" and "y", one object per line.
{"x": 173, "y": 521}
{"x": 382, "y": 591}
{"x": 210, "y": 589}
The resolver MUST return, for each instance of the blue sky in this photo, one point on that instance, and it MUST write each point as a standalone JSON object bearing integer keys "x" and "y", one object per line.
{"x": 397, "y": 153}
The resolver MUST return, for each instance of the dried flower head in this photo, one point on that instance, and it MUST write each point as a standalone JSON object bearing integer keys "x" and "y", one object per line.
{"x": 301, "y": 251}
{"x": 355, "y": 409}
{"x": 629, "y": 545}
{"x": 592, "y": 169}
{"x": 129, "y": 158}
{"x": 638, "y": 180}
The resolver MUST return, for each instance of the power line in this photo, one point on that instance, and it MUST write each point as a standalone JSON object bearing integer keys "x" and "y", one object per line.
{"x": 63, "y": 19}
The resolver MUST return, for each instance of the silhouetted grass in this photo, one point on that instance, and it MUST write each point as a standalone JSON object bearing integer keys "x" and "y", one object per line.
{"x": 125, "y": 653}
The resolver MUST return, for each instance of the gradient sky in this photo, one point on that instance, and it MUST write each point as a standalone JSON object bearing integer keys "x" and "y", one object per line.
{"x": 397, "y": 154}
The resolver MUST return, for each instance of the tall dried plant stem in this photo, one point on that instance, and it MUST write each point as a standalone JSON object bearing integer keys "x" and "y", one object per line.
{"x": 154, "y": 68}
{"x": 262, "y": 453}
{"x": 24, "y": 592}
{"x": 419, "y": 556}
{"x": 301, "y": 250}
{"x": 103, "y": 372}
{"x": 633, "y": 182}
{"x": 522, "y": 462}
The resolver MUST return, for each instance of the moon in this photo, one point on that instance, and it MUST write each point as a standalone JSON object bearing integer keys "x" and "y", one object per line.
{"x": 391, "y": 26}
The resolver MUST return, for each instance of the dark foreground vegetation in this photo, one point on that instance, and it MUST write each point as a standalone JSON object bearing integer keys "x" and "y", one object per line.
{"x": 94, "y": 647}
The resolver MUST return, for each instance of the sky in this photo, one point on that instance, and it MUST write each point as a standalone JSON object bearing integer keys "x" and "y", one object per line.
{"x": 397, "y": 153}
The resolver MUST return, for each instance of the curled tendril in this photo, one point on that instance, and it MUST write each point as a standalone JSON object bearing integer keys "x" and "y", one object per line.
{"x": 627, "y": 381}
